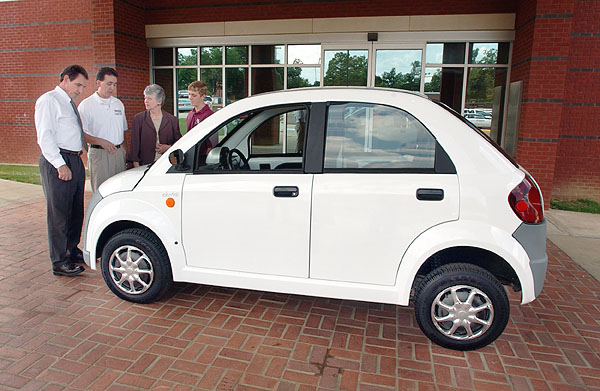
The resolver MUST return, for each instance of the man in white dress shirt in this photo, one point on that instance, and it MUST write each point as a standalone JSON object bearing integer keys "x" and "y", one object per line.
{"x": 104, "y": 124}
{"x": 61, "y": 139}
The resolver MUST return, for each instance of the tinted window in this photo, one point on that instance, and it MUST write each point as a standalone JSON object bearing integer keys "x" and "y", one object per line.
{"x": 366, "y": 136}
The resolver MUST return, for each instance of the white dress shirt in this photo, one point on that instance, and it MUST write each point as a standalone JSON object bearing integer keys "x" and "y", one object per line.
{"x": 56, "y": 125}
{"x": 103, "y": 118}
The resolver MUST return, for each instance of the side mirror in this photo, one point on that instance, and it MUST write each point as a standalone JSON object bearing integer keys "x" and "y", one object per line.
{"x": 177, "y": 159}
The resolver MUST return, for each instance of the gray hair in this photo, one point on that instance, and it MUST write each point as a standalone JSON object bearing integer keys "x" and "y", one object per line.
{"x": 157, "y": 91}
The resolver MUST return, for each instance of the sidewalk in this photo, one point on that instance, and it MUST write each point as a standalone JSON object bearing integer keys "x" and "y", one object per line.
{"x": 577, "y": 235}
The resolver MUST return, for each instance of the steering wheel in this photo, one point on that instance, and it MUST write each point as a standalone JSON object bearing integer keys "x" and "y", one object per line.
{"x": 236, "y": 160}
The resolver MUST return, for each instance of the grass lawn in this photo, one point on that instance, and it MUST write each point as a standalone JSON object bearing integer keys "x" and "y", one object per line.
{"x": 580, "y": 205}
{"x": 182, "y": 126}
{"x": 20, "y": 173}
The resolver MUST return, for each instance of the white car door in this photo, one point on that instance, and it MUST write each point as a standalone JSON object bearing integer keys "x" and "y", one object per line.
{"x": 379, "y": 190}
{"x": 255, "y": 220}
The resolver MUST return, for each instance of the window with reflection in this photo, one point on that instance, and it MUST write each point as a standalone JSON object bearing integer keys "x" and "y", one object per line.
{"x": 345, "y": 68}
{"x": 445, "y": 84}
{"x": 213, "y": 78}
{"x": 445, "y": 53}
{"x": 184, "y": 77}
{"x": 211, "y": 55}
{"x": 488, "y": 53}
{"x": 304, "y": 54}
{"x": 398, "y": 69}
{"x": 303, "y": 77}
{"x": 484, "y": 103}
{"x": 187, "y": 56}
{"x": 164, "y": 78}
{"x": 267, "y": 54}
{"x": 373, "y": 137}
{"x": 236, "y": 55}
{"x": 266, "y": 80}
{"x": 236, "y": 82}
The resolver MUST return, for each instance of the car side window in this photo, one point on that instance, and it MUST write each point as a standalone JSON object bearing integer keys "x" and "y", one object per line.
{"x": 371, "y": 137}
{"x": 281, "y": 134}
{"x": 264, "y": 140}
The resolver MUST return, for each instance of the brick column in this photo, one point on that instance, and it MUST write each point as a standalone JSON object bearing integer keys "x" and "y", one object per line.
{"x": 577, "y": 172}
{"x": 540, "y": 60}
{"x": 119, "y": 41}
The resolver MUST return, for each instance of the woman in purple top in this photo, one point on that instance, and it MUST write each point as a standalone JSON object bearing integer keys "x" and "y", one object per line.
{"x": 154, "y": 130}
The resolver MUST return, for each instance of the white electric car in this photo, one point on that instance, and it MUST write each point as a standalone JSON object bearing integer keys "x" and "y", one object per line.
{"x": 351, "y": 193}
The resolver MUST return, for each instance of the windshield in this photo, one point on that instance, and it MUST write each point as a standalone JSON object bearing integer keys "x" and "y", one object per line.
{"x": 476, "y": 129}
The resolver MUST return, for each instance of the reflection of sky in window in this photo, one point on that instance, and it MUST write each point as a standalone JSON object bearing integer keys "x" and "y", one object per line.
{"x": 434, "y": 53}
{"x": 429, "y": 72}
{"x": 278, "y": 54}
{"x": 400, "y": 59}
{"x": 306, "y": 54}
{"x": 483, "y": 48}
{"x": 185, "y": 56}
{"x": 311, "y": 74}
{"x": 185, "y": 51}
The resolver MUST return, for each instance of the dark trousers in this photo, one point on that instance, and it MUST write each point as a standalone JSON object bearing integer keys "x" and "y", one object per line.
{"x": 64, "y": 207}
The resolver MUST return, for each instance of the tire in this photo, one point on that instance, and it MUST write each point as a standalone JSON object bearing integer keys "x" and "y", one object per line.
{"x": 135, "y": 266}
{"x": 447, "y": 318}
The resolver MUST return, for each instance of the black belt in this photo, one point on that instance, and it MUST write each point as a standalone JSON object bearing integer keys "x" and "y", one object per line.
{"x": 70, "y": 152}
{"x": 100, "y": 146}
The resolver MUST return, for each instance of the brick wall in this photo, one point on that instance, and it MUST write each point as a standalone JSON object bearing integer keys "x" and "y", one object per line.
{"x": 577, "y": 169}
{"x": 37, "y": 40}
{"x": 540, "y": 61}
{"x": 125, "y": 31}
{"x": 556, "y": 55}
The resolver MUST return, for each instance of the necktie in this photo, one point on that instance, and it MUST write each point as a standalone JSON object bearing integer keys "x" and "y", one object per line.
{"x": 83, "y": 143}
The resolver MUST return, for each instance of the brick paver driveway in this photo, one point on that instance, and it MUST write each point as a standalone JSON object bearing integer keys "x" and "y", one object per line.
{"x": 60, "y": 333}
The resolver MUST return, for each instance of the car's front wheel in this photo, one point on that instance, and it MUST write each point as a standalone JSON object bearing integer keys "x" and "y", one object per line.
{"x": 135, "y": 266}
{"x": 461, "y": 306}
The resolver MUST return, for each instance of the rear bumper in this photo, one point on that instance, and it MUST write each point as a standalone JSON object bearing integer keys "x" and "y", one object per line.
{"x": 533, "y": 239}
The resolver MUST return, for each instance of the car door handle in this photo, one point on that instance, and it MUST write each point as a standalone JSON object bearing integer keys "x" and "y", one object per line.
{"x": 430, "y": 194}
{"x": 286, "y": 191}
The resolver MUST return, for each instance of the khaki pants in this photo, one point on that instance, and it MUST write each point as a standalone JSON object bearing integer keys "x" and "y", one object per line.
{"x": 103, "y": 165}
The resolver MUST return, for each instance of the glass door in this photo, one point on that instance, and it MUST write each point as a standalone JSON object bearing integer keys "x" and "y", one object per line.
{"x": 346, "y": 65}
{"x": 398, "y": 66}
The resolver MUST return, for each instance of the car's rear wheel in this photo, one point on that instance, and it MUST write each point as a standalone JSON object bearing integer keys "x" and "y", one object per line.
{"x": 461, "y": 306}
{"x": 135, "y": 266}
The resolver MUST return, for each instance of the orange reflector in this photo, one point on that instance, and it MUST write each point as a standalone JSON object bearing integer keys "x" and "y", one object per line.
{"x": 170, "y": 202}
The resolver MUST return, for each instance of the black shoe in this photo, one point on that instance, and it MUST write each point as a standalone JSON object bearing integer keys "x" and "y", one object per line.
{"x": 76, "y": 256}
{"x": 67, "y": 269}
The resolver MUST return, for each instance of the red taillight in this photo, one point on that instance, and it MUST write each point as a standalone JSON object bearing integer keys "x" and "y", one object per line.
{"x": 526, "y": 201}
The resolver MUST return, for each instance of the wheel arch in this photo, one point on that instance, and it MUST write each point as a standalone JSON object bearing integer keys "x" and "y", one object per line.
{"x": 481, "y": 257}
{"x": 491, "y": 248}
{"x": 117, "y": 226}
{"x": 114, "y": 214}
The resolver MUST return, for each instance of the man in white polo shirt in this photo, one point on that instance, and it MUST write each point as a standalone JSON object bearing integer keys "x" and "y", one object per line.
{"x": 104, "y": 124}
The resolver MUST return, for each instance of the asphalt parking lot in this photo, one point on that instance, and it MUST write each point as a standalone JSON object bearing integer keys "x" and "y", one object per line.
{"x": 60, "y": 333}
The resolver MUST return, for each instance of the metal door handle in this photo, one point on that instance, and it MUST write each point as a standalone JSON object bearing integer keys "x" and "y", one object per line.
{"x": 430, "y": 194}
{"x": 286, "y": 191}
